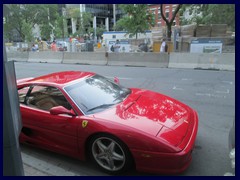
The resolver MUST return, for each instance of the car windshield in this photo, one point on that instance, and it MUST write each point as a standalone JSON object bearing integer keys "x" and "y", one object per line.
{"x": 96, "y": 94}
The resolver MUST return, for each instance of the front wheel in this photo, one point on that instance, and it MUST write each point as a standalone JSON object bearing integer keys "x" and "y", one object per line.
{"x": 110, "y": 154}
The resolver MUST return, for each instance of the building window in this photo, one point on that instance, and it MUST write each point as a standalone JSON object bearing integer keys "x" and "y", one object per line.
{"x": 159, "y": 15}
{"x": 167, "y": 15}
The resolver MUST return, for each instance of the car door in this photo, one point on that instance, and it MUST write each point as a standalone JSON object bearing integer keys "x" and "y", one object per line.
{"x": 40, "y": 127}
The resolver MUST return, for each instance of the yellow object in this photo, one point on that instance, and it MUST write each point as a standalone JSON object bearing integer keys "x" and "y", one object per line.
{"x": 84, "y": 123}
{"x": 8, "y": 44}
{"x": 99, "y": 45}
{"x": 42, "y": 46}
{"x": 157, "y": 45}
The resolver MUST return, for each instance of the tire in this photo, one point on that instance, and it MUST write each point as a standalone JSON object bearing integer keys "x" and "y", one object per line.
{"x": 110, "y": 154}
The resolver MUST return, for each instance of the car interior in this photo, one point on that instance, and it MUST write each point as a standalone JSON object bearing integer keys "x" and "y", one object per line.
{"x": 45, "y": 98}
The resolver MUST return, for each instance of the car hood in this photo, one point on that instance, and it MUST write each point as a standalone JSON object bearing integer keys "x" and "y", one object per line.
{"x": 152, "y": 113}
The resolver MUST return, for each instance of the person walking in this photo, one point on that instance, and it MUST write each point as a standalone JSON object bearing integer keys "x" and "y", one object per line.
{"x": 54, "y": 46}
{"x": 164, "y": 46}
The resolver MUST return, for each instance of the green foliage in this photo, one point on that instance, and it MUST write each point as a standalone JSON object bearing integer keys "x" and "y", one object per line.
{"x": 27, "y": 31}
{"x": 13, "y": 22}
{"x": 73, "y": 13}
{"x": 23, "y": 17}
{"x": 210, "y": 14}
{"x": 45, "y": 31}
{"x": 59, "y": 30}
{"x": 50, "y": 21}
{"x": 84, "y": 20}
{"x": 100, "y": 30}
{"x": 137, "y": 19}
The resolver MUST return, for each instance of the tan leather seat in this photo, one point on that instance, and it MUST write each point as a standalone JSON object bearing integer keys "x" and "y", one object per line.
{"x": 46, "y": 104}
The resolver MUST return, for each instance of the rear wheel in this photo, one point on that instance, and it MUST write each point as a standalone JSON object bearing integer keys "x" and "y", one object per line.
{"x": 110, "y": 154}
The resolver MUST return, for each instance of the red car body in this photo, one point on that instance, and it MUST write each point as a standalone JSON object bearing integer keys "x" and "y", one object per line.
{"x": 159, "y": 131}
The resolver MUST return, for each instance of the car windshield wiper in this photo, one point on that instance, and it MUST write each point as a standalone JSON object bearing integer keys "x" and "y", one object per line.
{"x": 123, "y": 94}
{"x": 100, "y": 106}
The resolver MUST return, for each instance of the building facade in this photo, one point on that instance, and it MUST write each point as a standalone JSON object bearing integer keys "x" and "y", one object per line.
{"x": 168, "y": 10}
{"x": 104, "y": 15}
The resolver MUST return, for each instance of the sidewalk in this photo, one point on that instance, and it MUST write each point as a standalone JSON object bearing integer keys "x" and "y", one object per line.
{"x": 31, "y": 171}
{"x": 38, "y": 162}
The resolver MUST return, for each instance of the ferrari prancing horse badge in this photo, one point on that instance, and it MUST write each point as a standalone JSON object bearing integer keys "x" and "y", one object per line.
{"x": 84, "y": 123}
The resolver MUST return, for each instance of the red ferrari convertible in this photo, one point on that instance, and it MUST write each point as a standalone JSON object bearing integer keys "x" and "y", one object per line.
{"x": 85, "y": 115}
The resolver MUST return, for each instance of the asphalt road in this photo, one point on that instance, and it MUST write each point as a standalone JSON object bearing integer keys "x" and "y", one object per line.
{"x": 211, "y": 93}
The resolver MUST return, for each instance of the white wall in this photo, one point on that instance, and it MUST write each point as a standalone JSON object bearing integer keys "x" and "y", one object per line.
{"x": 109, "y": 36}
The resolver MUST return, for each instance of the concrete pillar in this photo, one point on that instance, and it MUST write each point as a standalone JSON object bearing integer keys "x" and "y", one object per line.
{"x": 82, "y": 8}
{"x": 95, "y": 27}
{"x": 107, "y": 23}
{"x": 73, "y": 25}
{"x": 12, "y": 159}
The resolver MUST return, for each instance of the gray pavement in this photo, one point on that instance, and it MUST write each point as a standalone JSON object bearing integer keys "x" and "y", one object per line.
{"x": 36, "y": 164}
{"x": 39, "y": 162}
{"x": 33, "y": 171}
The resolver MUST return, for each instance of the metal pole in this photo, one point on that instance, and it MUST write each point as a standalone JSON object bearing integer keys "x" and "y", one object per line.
{"x": 114, "y": 16}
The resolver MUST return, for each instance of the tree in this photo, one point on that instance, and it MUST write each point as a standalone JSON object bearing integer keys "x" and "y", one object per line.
{"x": 210, "y": 14}
{"x": 169, "y": 22}
{"x": 99, "y": 31}
{"x": 137, "y": 20}
{"x": 23, "y": 17}
{"x": 50, "y": 20}
{"x": 85, "y": 23}
{"x": 27, "y": 31}
{"x": 17, "y": 21}
{"x": 84, "y": 20}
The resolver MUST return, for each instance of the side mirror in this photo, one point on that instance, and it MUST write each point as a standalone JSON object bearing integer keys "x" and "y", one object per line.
{"x": 61, "y": 110}
{"x": 116, "y": 80}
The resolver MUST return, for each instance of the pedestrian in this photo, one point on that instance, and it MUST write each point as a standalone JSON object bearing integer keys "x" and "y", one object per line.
{"x": 54, "y": 46}
{"x": 34, "y": 47}
{"x": 116, "y": 46}
{"x": 177, "y": 40}
{"x": 164, "y": 46}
